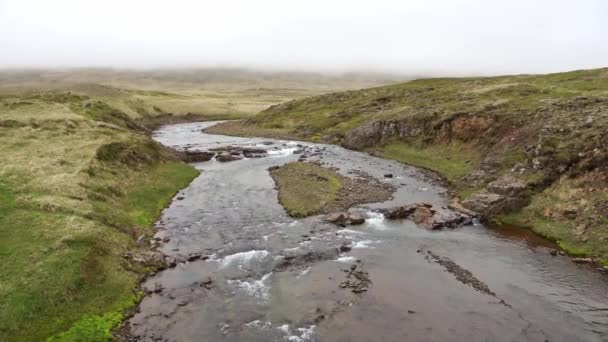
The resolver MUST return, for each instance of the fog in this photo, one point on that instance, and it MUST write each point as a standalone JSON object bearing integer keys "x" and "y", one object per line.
{"x": 406, "y": 36}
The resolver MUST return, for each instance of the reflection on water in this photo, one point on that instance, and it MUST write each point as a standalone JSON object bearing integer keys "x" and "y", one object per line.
{"x": 521, "y": 235}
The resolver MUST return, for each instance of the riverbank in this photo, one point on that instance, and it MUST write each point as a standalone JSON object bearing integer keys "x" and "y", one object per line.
{"x": 529, "y": 150}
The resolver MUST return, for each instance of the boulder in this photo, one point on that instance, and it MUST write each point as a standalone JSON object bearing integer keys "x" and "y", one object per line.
{"x": 502, "y": 195}
{"x": 196, "y": 156}
{"x": 253, "y": 150}
{"x": 455, "y": 205}
{"x": 428, "y": 217}
{"x": 422, "y": 214}
{"x": 227, "y": 157}
{"x": 401, "y": 212}
{"x": 345, "y": 218}
{"x": 485, "y": 203}
{"x": 222, "y": 148}
{"x": 355, "y": 219}
{"x": 583, "y": 260}
{"x": 443, "y": 218}
{"x": 507, "y": 186}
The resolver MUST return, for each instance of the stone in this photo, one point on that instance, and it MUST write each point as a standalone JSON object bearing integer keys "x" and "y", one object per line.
{"x": 507, "y": 186}
{"x": 355, "y": 219}
{"x": 422, "y": 214}
{"x": 226, "y": 157}
{"x": 345, "y": 218}
{"x": 401, "y": 212}
{"x": 583, "y": 260}
{"x": 443, "y": 218}
{"x": 388, "y": 175}
{"x": 158, "y": 288}
{"x": 170, "y": 262}
{"x": 194, "y": 256}
{"x": 253, "y": 150}
{"x": 484, "y": 203}
{"x": 344, "y": 248}
{"x": 570, "y": 213}
{"x": 196, "y": 156}
{"x": 455, "y": 205}
{"x": 141, "y": 241}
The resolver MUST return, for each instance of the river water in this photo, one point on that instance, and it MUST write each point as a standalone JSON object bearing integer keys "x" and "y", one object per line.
{"x": 246, "y": 291}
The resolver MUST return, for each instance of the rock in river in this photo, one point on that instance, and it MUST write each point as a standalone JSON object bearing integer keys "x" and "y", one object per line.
{"x": 226, "y": 157}
{"x": 428, "y": 217}
{"x": 401, "y": 212}
{"x": 196, "y": 156}
{"x": 345, "y": 218}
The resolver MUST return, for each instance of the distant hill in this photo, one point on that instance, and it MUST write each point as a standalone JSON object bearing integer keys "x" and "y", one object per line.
{"x": 197, "y": 78}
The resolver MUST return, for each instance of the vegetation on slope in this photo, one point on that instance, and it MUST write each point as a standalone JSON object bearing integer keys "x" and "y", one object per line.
{"x": 79, "y": 182}
{"x": 533, "y": 141}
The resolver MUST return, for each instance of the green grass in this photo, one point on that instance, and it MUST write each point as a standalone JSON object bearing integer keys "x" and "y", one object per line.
{"x": 70, "y": 208}
{"x": 91, "y": 328}
{"x": 59, "y": 266}
{"x": 451, "y": 161}
{"x": 305, "y": 189}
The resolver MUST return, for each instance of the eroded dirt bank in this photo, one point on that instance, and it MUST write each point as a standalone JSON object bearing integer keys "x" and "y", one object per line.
{"x": 257, "y": 274}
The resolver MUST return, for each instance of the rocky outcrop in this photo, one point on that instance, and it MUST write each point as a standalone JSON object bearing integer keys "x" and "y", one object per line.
{"x": 501, "y": 196}
{"x": 425, "y": 215}
{"x": 372, "y": 133}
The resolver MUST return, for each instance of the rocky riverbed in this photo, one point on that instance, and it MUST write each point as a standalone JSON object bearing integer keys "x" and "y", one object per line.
{"x": 241, "y": 269}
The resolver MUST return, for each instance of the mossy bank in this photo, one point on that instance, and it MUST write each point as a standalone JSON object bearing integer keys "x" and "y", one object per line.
{"x": 527, "y": 149}
{"x": 80, "y": 181}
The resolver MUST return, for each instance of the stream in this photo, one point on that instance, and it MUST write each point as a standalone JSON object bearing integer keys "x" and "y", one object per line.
{"x": 265, "y": 276}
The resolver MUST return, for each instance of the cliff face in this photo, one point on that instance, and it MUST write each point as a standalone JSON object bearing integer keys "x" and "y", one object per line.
{"x": 533, "y": 147}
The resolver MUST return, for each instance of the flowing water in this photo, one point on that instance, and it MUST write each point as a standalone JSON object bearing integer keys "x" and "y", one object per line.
{"x": 270, "y": 277}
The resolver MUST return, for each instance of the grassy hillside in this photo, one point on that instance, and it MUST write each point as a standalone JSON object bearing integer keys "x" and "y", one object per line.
{"x": 80, "y": 180}
{"x": 537, "y": 142}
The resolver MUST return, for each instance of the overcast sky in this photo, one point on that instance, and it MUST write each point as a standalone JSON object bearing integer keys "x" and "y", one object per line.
{"x": 441, "y": 36}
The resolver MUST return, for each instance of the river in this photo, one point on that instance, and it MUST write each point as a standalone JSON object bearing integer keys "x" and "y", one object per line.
{"x": 245, "y": 291}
